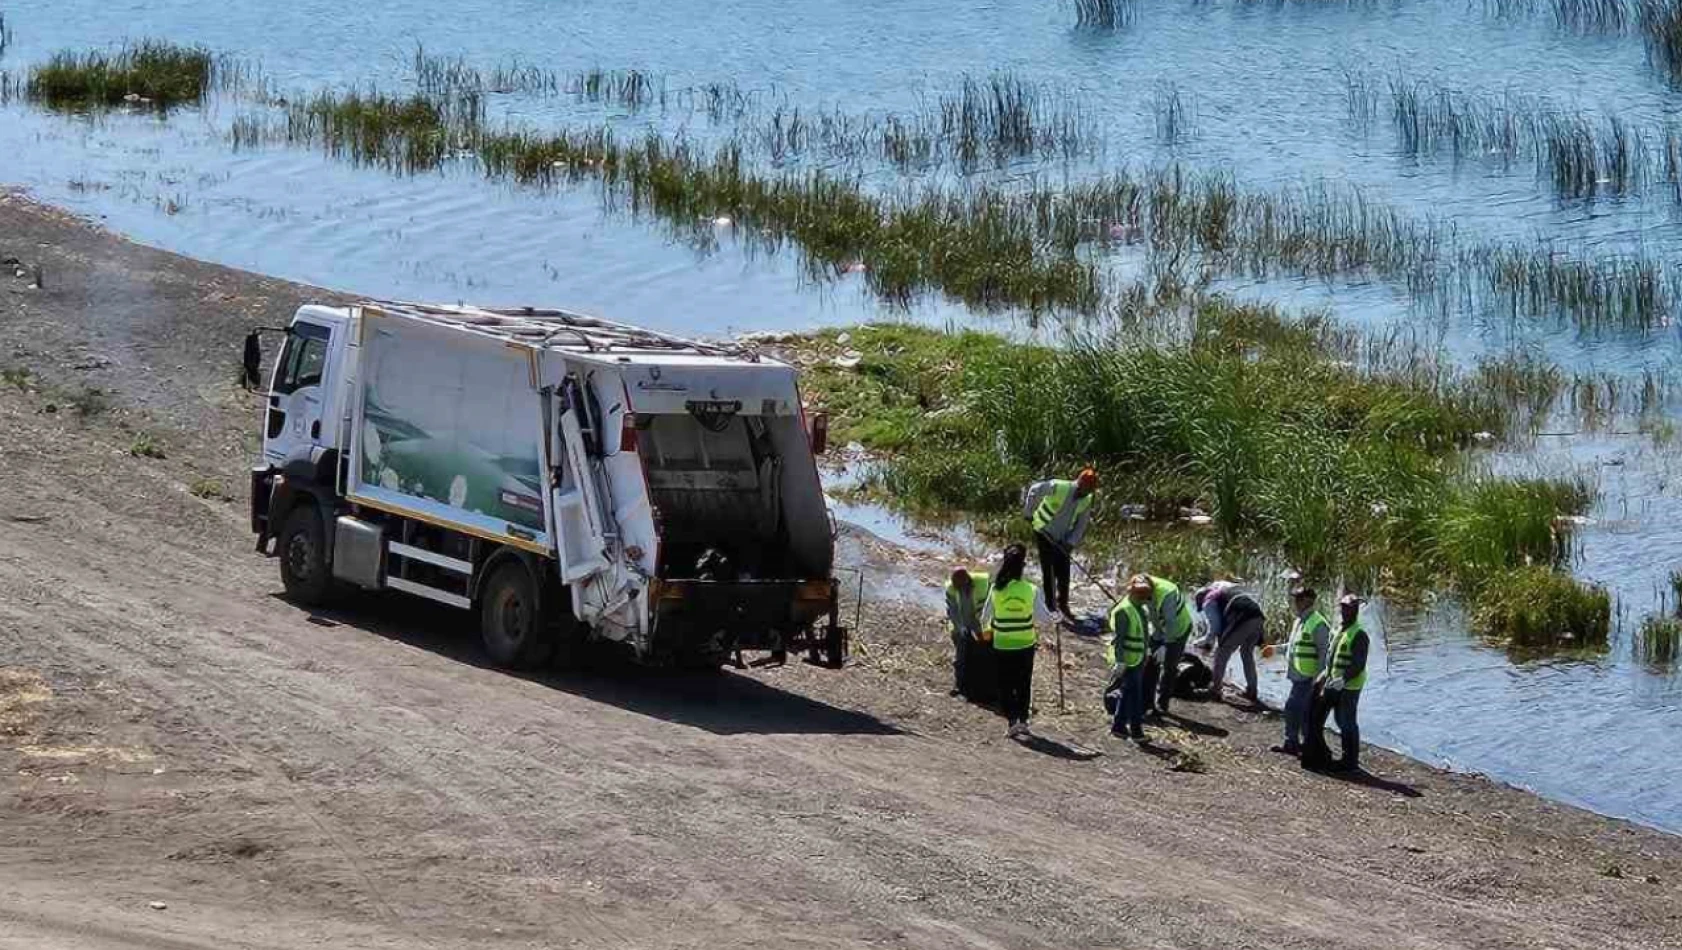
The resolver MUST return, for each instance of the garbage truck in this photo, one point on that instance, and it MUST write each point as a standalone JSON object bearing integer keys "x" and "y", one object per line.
{"x": 567, "y": 480}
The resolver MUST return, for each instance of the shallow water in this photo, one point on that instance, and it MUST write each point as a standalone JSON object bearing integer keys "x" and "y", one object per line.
{"x": 1266, "y": 84}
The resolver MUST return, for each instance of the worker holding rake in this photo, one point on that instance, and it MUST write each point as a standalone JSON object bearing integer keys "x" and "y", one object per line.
{"x": 1059, "y": 510}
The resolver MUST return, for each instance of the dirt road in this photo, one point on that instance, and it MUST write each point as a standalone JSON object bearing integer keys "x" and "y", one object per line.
{"x": 189, "y": 761}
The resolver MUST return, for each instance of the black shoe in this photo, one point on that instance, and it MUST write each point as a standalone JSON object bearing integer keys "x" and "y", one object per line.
{"x": 1344, "y": 768}
{"x": 1289, "y": 748}
{"x": 954, "y": 691}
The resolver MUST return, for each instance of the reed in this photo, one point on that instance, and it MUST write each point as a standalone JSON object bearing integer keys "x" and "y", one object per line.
{"x": 5, "y": 35}
{"x": 150, "y": 73}
{"x": 1536, "y": 609}
{"x": 1016, "y": 245}
{"x": 1105, "y": 14}
{"x": 1175, "y": 120}
{"x": 1289, "y": 447}
{"x": 1661, "y": 23}
{"x": 1658, "y": 642}
{"x": 1594, "y": 16}
{"x": 1580, "y": 156}
{"x": 989, "y": 120}
{"x": 1490, "y": 525}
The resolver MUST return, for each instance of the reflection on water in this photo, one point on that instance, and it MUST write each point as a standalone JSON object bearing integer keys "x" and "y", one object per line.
{"x": 1265, "y": 99}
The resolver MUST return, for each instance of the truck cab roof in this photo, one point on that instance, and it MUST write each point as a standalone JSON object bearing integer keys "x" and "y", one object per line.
{"x": 577, "y": 335}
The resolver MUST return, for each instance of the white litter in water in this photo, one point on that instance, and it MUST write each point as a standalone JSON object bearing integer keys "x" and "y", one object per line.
{"x": 722, "y": 221}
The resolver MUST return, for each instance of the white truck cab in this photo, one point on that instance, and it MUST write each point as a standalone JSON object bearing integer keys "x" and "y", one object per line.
{"x": 567, "y": 478}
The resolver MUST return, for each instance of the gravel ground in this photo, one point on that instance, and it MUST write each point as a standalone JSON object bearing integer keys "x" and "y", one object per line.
{"x": 189, "y": 761}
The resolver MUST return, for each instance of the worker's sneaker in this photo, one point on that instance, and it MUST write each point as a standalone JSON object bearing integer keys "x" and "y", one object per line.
{"x": 1288, "y": 748}
{"x": 1139, "y": 738}
{"x": 1018, "y": 729}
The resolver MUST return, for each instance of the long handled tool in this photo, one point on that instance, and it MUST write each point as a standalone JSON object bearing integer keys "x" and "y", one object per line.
{"x": 1062, "y": 703}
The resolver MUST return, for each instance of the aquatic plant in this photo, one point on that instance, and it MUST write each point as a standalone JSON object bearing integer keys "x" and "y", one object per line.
{"x": 152, "y": 73}
{"x": 5, "y": 35}
{"x": 1594, "y": 16}
{"x": 410, "y": 133}
{"x": 1335, "y": 467}
{"x": 1580, "y": 156}
{"x": 1661, "y": 23}
{"x": 1536, "y": 609}
{"x": 1175, "y": 120}
{"x": 1105, "y": 14}
{"x": 1489, "y": 525}
{"x": 1659, "y": 641}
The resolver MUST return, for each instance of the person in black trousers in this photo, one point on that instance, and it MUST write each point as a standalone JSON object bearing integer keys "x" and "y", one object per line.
{"x": 1015, "y": 608}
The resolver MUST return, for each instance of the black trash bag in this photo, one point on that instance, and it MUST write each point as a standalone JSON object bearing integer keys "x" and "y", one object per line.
{"x": 1316, "y": 755}
{"x": 1195, "y": 680}
{"x": 981, "y": 673}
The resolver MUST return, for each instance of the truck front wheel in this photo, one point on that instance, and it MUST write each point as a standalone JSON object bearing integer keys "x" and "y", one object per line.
{"x": 303, "y": 557}
{"x": 511, "y": 620}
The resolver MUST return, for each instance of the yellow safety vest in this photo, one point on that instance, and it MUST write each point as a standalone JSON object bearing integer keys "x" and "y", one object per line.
{"x": 1180, "y": 624}
{"x": 1013, "y": 616}
{"x": 1344, "y": 652}
{"x": 1132, "y": 639}
{"x": 1054, "y": 501}
{"x": 1305, "y": 654}
{"x": 978, "y": 582}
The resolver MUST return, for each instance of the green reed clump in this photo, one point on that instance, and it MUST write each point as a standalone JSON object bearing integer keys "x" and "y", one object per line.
{"x": 980, "y": 248}
{"x": 993, "y": 119}
{"x": 1281, "y": 443}
{"x": 1535, "y": 609}
{"x": 1105, "y": 14}
{"x": 1594, "y": 16}
{"x": 1004, "y": 245}
{"x": 1661, "y": 23}
{"x": 1175, "y": 119}
{"x": 1490, "y": 525}
{"x": 1659, "y": 641}
{"x": 1580, "y": 156}
{"x": 407, "y": 133}
{"x": 155, "y": 73}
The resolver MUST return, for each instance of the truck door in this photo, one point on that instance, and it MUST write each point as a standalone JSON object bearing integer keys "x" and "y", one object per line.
{"x": 582, "y": 541}
{"x": 296, "y": 393}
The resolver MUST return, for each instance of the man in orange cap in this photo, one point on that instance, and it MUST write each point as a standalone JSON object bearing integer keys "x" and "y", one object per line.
{"x": 1059, "y": 510}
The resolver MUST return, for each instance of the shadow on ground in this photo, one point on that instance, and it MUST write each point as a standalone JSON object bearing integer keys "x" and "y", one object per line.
{"x": 718, "y": 701}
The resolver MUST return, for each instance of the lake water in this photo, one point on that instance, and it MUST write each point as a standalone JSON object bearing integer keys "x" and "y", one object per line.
{"x": 1264, "y": 84}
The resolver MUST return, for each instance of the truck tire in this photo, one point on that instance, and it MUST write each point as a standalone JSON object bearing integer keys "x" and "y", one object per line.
{"x": 511, "y": 620}
{"x": 303, "y": 557}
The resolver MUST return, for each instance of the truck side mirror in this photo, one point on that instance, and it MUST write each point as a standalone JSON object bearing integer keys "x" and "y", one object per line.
{"x": 820, "y": 432}
{"x": 252, "y": 365}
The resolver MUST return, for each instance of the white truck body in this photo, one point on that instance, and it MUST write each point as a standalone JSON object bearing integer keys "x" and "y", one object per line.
{"x": 668, "y": 487}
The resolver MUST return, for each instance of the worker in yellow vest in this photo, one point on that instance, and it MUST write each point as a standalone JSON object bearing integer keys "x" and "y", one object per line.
{"x": 1341, "y": 683}
{"x": 1169, "y": 618}
{"x": 1306, "y": 653}
{"x": 966, "y": 592}
{"x": 1059, "y": 510}
{"x": 1014, "y": 611}
{"x": 1126, "y": 655}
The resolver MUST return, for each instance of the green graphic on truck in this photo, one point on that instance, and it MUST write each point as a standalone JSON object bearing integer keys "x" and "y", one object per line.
{"x": 443, "y": 424}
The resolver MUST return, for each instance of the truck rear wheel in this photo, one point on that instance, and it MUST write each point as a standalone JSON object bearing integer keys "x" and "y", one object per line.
{"x": 511, "y": 620}
{"x": 303, "y": 557}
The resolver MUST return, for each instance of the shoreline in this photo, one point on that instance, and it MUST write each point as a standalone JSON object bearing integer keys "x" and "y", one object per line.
{"x": 158, "y": 333}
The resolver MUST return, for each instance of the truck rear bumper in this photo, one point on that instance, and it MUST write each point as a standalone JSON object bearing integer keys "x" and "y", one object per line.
{"x": 779, "y": 616}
